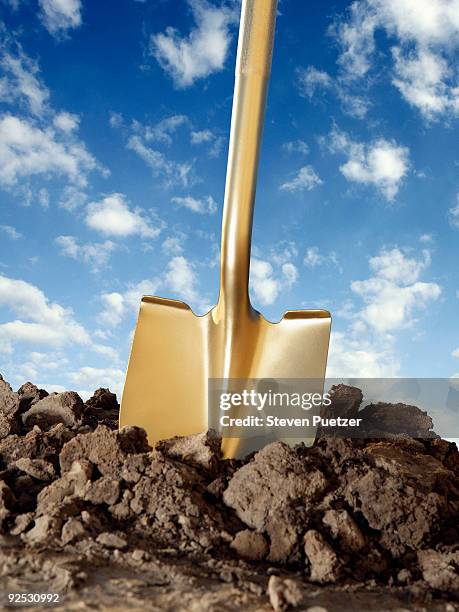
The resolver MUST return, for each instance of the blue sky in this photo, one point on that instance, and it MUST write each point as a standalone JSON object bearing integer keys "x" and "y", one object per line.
{"x": 114, "y": 121}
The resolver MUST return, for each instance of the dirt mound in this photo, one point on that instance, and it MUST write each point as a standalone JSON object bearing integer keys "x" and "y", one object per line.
{"x": 348, "y": 513}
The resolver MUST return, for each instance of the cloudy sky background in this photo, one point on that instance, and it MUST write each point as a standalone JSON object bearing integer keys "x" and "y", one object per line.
{"x": 114, "y": 118}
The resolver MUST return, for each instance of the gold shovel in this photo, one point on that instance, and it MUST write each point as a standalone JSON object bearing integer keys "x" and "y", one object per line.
{"x": 174, "y": 352}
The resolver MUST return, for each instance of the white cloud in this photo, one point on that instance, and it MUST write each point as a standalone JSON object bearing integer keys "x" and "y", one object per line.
{"x": 43, "y": 197}
{"x": 72, "y": 198}
{"x": 422, "y": 79}
{"x": 456, "y": 353}
{"x": 283, "y": 252}
{"x": 94, "y": 254}
{"x": 113, "y": 310}
{"x": 203, "y": 51}
{"x": 296, "y": 146}
{"x": 36, "y": 362}
{"x": 115, "y": 120}
{"x": 20, "y": 81}
{"x": 198, "y": 137}
{"x": 427, "y": 35}
{"x": 67, "y": 122}
{"x": 60, "y": 15}
{"x": 89, "y": 378}
{"x": 454, "y": 214}
{"x": 396, "y": 267}
{"x": 173, "y": 245}
{"x": 43, "y": 143}
{"x": 135, "y": 291}
{"x": 162, "y": 131}
{"x": 311, "y": 80}
{"x": 11, "y": 232}
{"x": 353, "y": 105}
{"x": 391, "y": 298}
{"x": 305, "y": 179}
{"x": 26, "y": 150}
{"x": 290, "y": 273}
{"x": 266, "y": 283}
{"x": 173, "y": 172}
{"x": 357, "y": 357}
{"x": 265, "y": 286}
{"x": 181, "y": 278}
{"x": 315, "y": 258}
{"x": 113, "y": 217}
{"x": 205, "y": 205}
{"x": 395, "y": 292}
{"x": 117, "y": 305}
{"x": 41, "y": 321}
{"x": 381, "y": 163}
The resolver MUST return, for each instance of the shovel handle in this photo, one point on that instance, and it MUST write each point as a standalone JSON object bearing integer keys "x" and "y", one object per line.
{"x": 253, "y": 67}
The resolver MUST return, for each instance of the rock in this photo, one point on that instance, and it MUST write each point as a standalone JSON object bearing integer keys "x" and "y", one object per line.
{"x": 122, "y": 510}
{"x": 134, "y": 467}
{"x": 445, "y": 452}
{"x": 322, "y": 558}
{"x": 36, "y": 444}
{"x": 45, "y": 531}
{"x": 283, "y": 593}
{"x": 397, "y": 460}
{"x": 37, "y": 468}
{"x": 63, "y": 492}
{"x": 92, "y": 521}
{"x": 7, "y": 501}
{"x": 111, "y": 540}
{"x": 66, "y": 407}
{"x": 404, "y": 576}
{"x": 29, "y": 395}
{"x": 345, "y": 402}
{"x": 21, "y": 523}
{"x": 344, "y": 529}
{"x": 202, "y": 450}
{"x": 72, "y": 530}
{"x": 171, "y": 496}
{"x": 105, "y": 448}
{"x": 103, "y": 399}
{"x": 406, "y": 497}
{"x": 440, "y": 570}
{"x": 250, "y": 545}
{"x": 396, "y": 419}
{"x": 102, "y": 409}
{"x": 274, "y": 493}
{"x": 9, "y": 409}
{"x": 103, "y": 491}
{"x": 335, "y": 454}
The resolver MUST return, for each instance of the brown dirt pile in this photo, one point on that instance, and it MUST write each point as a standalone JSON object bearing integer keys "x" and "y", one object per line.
{"x": 369, "y": 513}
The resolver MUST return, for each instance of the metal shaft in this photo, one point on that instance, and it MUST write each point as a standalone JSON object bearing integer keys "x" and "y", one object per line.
{"x": 253, "y": 66}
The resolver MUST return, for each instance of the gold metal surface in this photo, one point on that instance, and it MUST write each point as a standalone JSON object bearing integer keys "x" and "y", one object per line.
{"x": 175, "y": 352}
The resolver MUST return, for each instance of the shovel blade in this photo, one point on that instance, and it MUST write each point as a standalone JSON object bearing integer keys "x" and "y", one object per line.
{"x": 166, "y": 380}
{"x": 175, "y": 352}
{"x": 294, "y": 348}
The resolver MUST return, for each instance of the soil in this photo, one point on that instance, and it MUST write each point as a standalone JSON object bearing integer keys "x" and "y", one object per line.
{"x": 96, "y": 515}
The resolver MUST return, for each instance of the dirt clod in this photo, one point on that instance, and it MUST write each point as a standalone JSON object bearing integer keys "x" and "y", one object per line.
{"x": 322, "y": 557}
{"x": 66, "y": 407}
{"x": 284, "y": 593}
{"x": 250, "y": 545}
